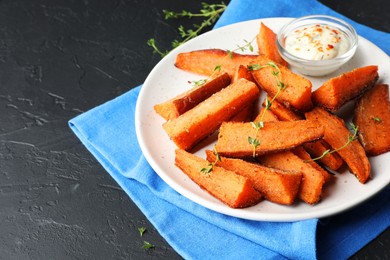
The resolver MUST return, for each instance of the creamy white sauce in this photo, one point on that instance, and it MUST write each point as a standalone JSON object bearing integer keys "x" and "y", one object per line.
{"x": 317, "y": 42}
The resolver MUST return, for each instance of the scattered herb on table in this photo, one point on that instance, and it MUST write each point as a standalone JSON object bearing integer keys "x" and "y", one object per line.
{"x": 210, "y": 12}
{"x": 147, "y": 245}
{"x": 141, "y": 231}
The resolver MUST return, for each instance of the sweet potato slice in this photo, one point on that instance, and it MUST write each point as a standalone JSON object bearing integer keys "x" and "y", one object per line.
{"x": 333, "y": 161}
{"x": 242, "y": 72}
{"x": 275, "y": 185}
{"x": 246, "y": 114}
{"x": 265, "y": 115}
{"x": 297, "y": 92}
{"x": 310, "y": 175}
{"x": 233, "y": 138}
{"x": 372, "y": 116}
{"x": 305, "y": 156}
{"x": 283, "y": 113}
{"x": 196, "y": 124}
{"x": 337, "y": 91}
{"x": 316, "y": 149}
{"x": 312, "y": 180}
{"x": 206, "y": 61}
{"x": 266, "y": 42}
{"x": 178, "y": 105}
{"x": 234, "y": 190}
{"x": 337, "y": 135}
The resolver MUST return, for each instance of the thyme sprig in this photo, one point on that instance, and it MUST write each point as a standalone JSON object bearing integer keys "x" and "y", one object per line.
{"x": 351, "y": 137}
{"x": 254, "y": 141}
{"x": 210, "y": 166}
{"x": 211, "y": 12}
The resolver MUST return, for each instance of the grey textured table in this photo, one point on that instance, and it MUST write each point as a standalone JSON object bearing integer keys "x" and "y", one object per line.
{"x": 61, "y": 58}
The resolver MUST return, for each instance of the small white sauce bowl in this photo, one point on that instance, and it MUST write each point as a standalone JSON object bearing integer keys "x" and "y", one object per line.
{"x": 317, "y": 67}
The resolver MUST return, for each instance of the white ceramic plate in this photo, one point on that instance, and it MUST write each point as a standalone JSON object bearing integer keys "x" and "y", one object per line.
{"x": 166, "y": 81}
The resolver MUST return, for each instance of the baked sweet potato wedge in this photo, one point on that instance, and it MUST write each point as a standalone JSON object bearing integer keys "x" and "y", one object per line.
{"x": 305, "y": 156}
{"x": 333, "y": 161}
{"x": 296, "y": 90}
{"x": 316, "y": 149}
{"x": 246, "y": 114}
{"x": 275, "y": 185}
{"x": 339, "y": 90}
{"x": 266, "y": 42}
{"x": 204, "y": 119}
{"x": 337, "y": 135}
{"x": 206, "y": 62}
{"x": 312, "y": 180}
{"x": 283, "y": 113}
{"x": 183, "y": 102}
{"x": 265, "y": 115}
{"x": 234, "y": 138}
{"x": 234, "y": 190}
{"x": 372, "y": 117}
{"x": 242, "y": 72}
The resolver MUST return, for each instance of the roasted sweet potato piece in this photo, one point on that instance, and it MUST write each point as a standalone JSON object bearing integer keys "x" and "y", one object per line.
{"x": 337, "y": 135}
{"x": 316, "y": 149}
{"x": 337, "y": 91}
{"x": 234, "y": 190}
{"x": 312, "y": 179}
{"x": 283, "y": 113}
{"x": 243, "y": 72}
{"x": 178, "y": 105}
{"x": 246, "y": 114}
{"x": 265, "y": 115}
{"x": 275, "y": 185}
{"x": 305, "y": 156}
{"x": 372, "y": 116}
{"x": 233, "y": 138}
{"x": 266, "y": 42}
{"x": 196, "y": 124}
{"x": 297, "y": 91}
{"x": 206, "y": 61}
{"x": 310, "y": 175}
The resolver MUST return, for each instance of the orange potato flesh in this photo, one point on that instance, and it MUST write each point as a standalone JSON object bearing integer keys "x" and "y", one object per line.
{"x": 316, "y": 149}
{"x": 312, "y": 179}
{"x": 182, "y": 103}
{"x": 201, "y": 121}
{"x": 336, "y": 135}
{"x": 266, "y": 42}
{"x": 337, "y": 91}
{"x": 206, "y": 61}
{"x": 234, "y": 190}
{"x": 274, "y": 136}
{"x": 275, "y": 185}
{"x": 372, "y": 116}
{"x": 297, "y": 93}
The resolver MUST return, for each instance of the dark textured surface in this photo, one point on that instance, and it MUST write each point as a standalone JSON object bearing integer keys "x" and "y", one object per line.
{"x": 57, "y": 60}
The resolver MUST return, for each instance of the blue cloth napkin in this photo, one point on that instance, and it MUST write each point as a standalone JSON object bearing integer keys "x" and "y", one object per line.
{"x": 108, "y": 132}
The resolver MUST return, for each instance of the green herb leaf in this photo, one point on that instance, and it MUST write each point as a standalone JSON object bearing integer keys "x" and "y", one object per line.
{"x": 141, "y": 231}
{"x": 147, "y": 245}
